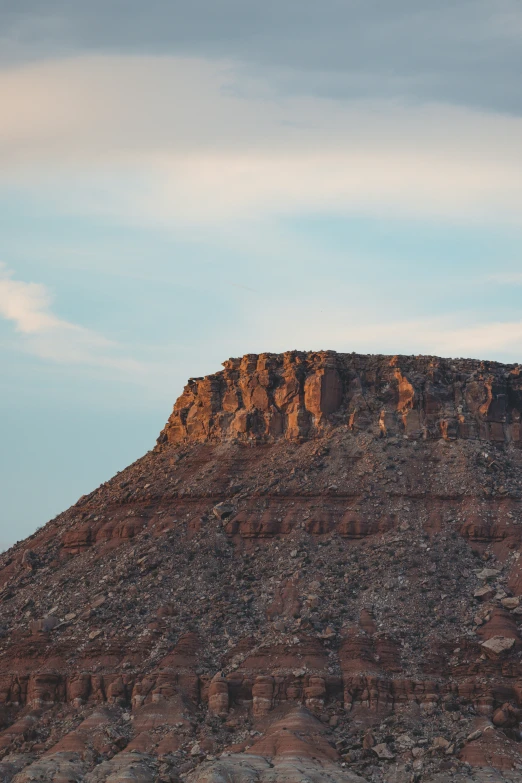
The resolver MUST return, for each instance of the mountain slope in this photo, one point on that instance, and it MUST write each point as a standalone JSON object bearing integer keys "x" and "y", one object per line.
{"x": 314, "y": 574}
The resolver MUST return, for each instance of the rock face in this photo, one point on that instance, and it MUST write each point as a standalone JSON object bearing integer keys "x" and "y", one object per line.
{"x": 297, "y": 395}
{"x": 315, "y": 574}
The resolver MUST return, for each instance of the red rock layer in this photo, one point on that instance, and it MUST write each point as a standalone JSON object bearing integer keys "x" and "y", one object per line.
{"x": 296, "y": 395}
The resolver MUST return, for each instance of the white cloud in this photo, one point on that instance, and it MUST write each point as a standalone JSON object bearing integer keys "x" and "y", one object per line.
{"x": 182, "y": 141}
{"x": 505, "y": 278}
{"x": 443, "y": 337}
{"x": 26, "y": 304}
{"x": 43, "y": 334}
{"x": 309, "y": 325}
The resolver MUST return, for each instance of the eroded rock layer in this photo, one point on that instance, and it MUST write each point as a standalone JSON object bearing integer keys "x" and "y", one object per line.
{"x": 314, "y": 575}
{"x": 296, "y": 395}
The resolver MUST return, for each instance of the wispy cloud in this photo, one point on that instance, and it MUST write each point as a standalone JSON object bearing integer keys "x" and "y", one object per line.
{"x": 505, "y": 278}
{"x": 28, "y": 306}
{"x": 180, "y": 141}
{"x": 354, "y": 329}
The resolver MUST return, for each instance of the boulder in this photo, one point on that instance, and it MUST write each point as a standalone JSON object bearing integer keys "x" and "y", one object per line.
{"x": 44, "y": 625}
{"x": 383, "y": 751}
{"x": 510, "y": 603}
{"x": 484, "y": 593}
{"x": 497, "y": 645}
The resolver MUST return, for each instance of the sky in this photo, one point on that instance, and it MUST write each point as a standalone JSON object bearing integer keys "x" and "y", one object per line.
{"x": 185, "y": 182}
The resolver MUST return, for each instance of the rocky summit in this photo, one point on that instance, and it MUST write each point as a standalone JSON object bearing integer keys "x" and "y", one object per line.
{"x": 315, "y": 575}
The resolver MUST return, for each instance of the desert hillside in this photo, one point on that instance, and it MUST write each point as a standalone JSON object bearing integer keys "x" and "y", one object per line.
{"x": 314, "y": 575}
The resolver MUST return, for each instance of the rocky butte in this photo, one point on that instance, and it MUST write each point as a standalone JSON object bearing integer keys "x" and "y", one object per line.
{"x": 315, "y": 575}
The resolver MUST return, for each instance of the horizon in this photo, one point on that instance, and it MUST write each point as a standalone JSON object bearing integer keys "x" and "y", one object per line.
{"x": 181, "y": 184}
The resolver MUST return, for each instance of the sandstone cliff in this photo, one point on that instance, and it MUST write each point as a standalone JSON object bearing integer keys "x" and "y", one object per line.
{"x": 297, "y": 395}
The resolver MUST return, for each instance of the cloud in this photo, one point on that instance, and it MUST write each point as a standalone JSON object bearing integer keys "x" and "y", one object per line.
{"x": 177, "y": 141}
{"x": 462, "y": 53}
{"x": 26, "y": 304}
{"x": 43, "y": 334}
{"x": 314, "y": 324}
{"x": 443, "y": 337}
{"x": 505, "y": 278}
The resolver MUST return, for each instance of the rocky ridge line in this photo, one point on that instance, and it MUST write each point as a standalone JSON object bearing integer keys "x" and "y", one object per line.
{"x": 298, "y": 395}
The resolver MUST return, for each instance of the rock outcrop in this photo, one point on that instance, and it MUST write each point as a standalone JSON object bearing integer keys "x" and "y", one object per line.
{"x": 299, "y": 395}
{"x": 315, "y": 574}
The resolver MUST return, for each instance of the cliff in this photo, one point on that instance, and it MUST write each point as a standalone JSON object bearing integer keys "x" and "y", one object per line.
{"x": 300, "y": 395}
